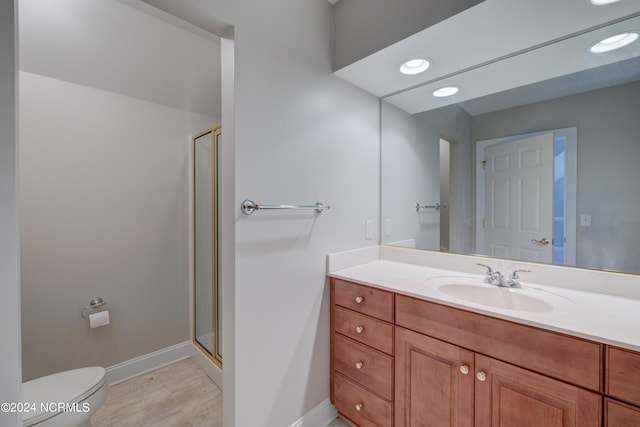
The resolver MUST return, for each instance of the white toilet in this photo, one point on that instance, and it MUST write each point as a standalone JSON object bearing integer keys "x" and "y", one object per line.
{"x": 65, "y": 399}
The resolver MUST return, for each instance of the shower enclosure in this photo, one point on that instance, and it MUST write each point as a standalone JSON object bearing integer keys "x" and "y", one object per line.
{"x": 205, "y": 271}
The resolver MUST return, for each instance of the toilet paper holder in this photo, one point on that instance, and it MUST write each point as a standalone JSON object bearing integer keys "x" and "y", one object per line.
{"x": 95, "y": 303}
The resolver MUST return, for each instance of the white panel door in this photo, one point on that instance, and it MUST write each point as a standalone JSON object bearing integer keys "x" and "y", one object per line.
{"x": 519, "y": 199}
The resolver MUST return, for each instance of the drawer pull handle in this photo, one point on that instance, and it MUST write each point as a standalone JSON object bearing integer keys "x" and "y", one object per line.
{"x": 359, "y": 329}
{"x": 464, "y": 369}
{"x": 482, "y": 376}
{"x": 359, "y": 300}
{"x": 359, "y": 365}
{"x": 359, "y": 407}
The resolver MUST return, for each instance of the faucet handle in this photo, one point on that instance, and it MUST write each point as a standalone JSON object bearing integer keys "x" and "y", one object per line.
{"x": 515, "y": 275}
{"x": 489, "y": 274}
{"x": 514, "y": 278}
{"x": 489, "y": 269}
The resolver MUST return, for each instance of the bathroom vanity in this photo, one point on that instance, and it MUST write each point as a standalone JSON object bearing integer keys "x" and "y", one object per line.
{"x": 405, "y": 351}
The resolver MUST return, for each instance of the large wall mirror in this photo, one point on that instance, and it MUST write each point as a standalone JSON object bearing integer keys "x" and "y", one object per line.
{"x": 536, "y": 157}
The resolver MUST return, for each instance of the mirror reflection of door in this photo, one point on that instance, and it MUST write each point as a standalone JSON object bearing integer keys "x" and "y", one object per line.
{"x": 518, "y": 197}
{"x": 562, "y": 241}
{"x": 207, "y": 313}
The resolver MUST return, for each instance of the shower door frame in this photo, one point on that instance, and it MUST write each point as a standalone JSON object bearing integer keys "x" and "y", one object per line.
{"x": 215, "y": 355}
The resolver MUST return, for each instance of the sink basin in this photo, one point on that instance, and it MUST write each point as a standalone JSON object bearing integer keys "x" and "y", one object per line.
{"x": 509, "y": 299}
{"x": 474, "y": 290}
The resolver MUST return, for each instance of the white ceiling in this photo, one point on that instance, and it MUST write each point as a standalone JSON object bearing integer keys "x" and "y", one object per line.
{"x": 554, "y": 64}
{"x": 122, "y": 47}
{"x": 133, "y": 48}
{"x": 483, "y": 33}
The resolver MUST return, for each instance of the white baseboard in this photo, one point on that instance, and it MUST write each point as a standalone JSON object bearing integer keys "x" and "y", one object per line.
{"x": 148, "y": 362}
{"x": 211, "y": 369}
{"x": 321, "y": 415}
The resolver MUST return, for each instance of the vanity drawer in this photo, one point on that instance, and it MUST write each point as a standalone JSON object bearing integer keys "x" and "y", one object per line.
{"x": 617, "y": 414}
{"x": 367, "y": 330}
{"x": 366, "y": 366}
{"x": 364, "y": 299}
{"x": 360, "y": 405}
{"x": 566, "y": 358}
{"x": 623, "y": 374}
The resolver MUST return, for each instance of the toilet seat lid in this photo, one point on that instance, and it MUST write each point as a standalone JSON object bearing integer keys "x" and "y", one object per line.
{"x": 64, "y": 387}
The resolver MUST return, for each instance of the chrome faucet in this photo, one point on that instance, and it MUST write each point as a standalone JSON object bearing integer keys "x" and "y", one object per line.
{"x": 497, "y": 279}
{"x": 493, "y": 277}
{"x": 514, "y": 278}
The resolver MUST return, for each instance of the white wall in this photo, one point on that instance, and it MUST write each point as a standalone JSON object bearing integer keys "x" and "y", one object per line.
{"x": 301, "y": 135}
{"x": 104, "y": 196}
{"x": 10, "y": 371}
{"x": 411, "y": 174}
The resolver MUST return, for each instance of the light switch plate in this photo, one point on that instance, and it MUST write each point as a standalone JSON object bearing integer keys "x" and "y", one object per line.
{"x": 368, "y": 229}
{"x": 387, "y": 227}
{"x": 585, "y": 220}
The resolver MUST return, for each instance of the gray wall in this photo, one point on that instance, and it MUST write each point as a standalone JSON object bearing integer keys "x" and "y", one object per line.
{"x": 362, "y": 27}
{"x": 294, "y": 133}
{"x": 301, "y": 135}
{"x": 608, "y": 172}
{"x": 104, "y": 212}
{"x": 411, "y": 173}
{"x": 10, "y": 371}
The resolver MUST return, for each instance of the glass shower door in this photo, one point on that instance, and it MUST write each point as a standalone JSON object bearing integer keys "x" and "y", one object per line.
{"x": 207, "y": 323}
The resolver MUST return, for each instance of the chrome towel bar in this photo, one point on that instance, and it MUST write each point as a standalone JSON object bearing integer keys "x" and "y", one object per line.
{"x": 437, "y": 207}
{"x": 249, "y": 206}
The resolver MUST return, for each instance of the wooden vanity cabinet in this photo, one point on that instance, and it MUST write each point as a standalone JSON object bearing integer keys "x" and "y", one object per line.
{"x": 362, "y": 364}
{"x": 440, "y": 384}
{"x": 451, "y": 367}
{"x": 622, "y": 380}
{"x": 570, "y": 359}
{"x": 507, "y": 395}
{"x": 434, "y": 382}
{"x": 618, "y": 414}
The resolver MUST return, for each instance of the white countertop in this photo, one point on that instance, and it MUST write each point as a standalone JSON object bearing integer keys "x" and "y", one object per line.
{"x": 608, "y": 319}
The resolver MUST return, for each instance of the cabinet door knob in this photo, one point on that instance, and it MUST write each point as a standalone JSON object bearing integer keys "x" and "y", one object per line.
{"x": 359, "y": 300}
{"x": 482, "y": 376}
{"x": 359, "y": 406}
{"x": 359, "y": 329}
{"x": 464, "y": 369}
{"x": 359, "y": 365}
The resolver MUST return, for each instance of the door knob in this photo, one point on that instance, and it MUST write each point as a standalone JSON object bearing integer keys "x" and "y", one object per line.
{"x": 359, "y": 329}
{"x": 544, "y": 241}
{"x": 482, "y": 376}
{"x": 464, "y": 369}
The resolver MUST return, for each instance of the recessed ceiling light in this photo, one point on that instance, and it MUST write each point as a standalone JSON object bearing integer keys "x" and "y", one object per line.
{"x": 415, "y": 66}
{"x": 445, "y": 91}
{"x": 614, "y": 42}
{"x": 603, "y": 2}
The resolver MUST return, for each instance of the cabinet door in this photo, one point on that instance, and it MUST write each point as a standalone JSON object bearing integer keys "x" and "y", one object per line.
{"x": 434, "y": 382}
{"x": 510, "y": 396}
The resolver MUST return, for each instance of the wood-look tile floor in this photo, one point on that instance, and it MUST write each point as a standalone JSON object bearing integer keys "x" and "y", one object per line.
{"x": 177, "y": 395}
{"x": 339, "y": 423}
